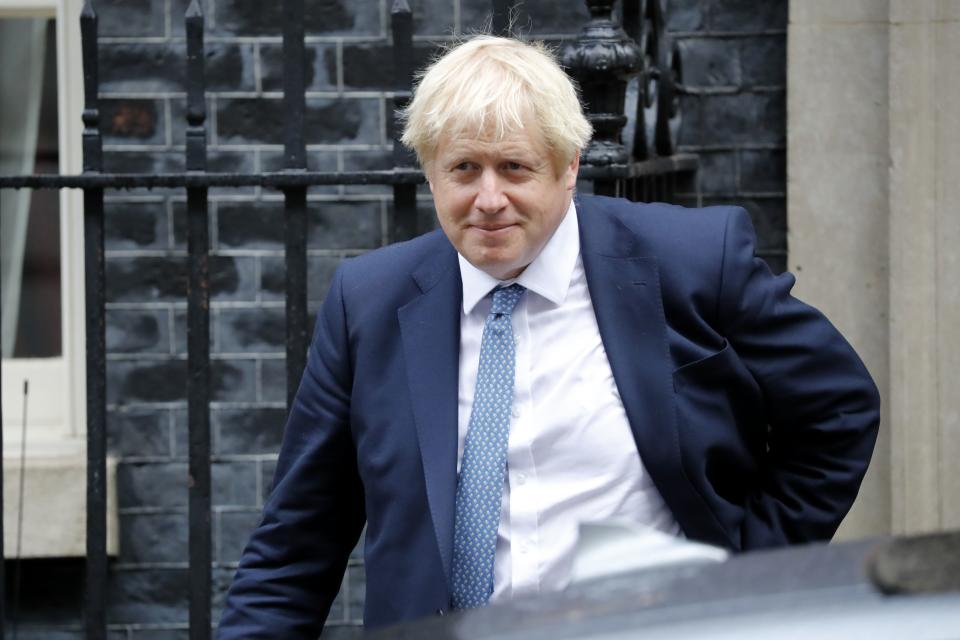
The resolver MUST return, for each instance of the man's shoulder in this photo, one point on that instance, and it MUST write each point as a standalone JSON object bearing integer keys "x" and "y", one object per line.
{"x": 671, "y": 232}
{"x": 655, "y": 214}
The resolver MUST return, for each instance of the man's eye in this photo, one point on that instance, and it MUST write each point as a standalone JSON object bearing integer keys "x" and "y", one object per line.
{"x": 463, "y": 166}
{"x": 513, "y": 166}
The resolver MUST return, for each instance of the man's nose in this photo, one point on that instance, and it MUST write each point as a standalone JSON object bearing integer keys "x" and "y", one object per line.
{"x": 490, "y": 195}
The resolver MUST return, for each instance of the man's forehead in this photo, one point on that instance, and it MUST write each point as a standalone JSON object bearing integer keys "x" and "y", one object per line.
{"x": 515, "y": 141}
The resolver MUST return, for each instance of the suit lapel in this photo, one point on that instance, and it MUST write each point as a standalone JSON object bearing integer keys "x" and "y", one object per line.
{"x": 430, "y": 329}
{"x": 624, "y": 286}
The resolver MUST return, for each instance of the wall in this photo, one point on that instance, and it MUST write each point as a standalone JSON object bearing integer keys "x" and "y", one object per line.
{"x": 874, "y": 229}
{"x": 734, "y": 118}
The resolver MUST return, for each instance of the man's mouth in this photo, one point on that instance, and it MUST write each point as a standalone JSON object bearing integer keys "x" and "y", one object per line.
{"x": 493, "y": 228}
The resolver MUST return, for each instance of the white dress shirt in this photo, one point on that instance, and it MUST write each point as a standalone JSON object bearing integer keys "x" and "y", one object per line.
{"x": 571, "y": 455}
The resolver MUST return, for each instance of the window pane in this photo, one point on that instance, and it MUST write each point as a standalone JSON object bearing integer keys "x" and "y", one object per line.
{"x": 28, "y": 118}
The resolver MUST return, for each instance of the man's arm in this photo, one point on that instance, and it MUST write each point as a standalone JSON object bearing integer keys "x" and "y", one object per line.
{"x": 293, "y": 565}
{"x": 822, "y": 407}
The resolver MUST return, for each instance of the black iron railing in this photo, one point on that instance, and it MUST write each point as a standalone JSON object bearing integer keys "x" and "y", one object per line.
{"x": 639, "y": 70}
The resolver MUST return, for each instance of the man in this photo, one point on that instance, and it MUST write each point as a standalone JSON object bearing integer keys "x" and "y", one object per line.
{"x": 548, "y": 359}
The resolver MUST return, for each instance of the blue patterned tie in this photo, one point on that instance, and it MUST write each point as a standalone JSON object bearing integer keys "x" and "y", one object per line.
{"x": 480, "y": 488}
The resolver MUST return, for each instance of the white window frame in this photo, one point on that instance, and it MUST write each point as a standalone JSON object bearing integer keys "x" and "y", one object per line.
{"x": 56, "y": 417}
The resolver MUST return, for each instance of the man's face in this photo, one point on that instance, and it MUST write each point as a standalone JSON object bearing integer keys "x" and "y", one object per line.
{"x": 499, "y": 202}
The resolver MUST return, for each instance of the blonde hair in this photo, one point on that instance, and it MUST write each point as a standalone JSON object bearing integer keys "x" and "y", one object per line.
{"x": 491, "y": 86}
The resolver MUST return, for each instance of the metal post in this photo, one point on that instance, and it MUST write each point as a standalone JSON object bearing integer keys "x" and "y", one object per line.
{"x": 602, "y": 59}
{"x": 198, "y": 335}
{"x": 295, "y": 199}
{"x": 96, "y": 575}
{"x": 404, "y": 224}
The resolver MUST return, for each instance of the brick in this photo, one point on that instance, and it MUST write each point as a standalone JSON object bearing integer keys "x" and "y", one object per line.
{"x": 319, "y": 273}
{"x": 179, "y": 337}
{"x": 154, "y": 537}
{"x": 138, "y": 331}
{"x": 253, "y": 225}
{"x": 222, "y": 578}
{"x": 356, "y": 594}
{"x": 763, "y": 60}
{"x": 322, "y": 17}
{"x": 534, "y": 17}
{"x": 162, "y": 67}
{"x": 235, "y": 530}
{"x": 332, "y": 225}
{"x": 151, "y": 485}
{"x": 763, "y": 170}
{"x": 344, "y": 225}
{"x": 152, "y": 279}
{"x": 273, "y": 381}
{"x": 710, "y": 62}
{"x": 135, "y": 225}
{"x": 370, "y": 66}
{"x": 140, "y": 162}
{"x": 252, "y": 330}
{"x": 316, "y": 161}
{"x": 685, "y": 15}
{"x": 747, "y": 15}
{"x": 138, "y": 432}
{"x": 327, "y": 120}
{"x": 233, "y": 380}
{"x": 180, "y": 226}
{"x": 234, "y": 484}
{"x": 431, "y": 17}
{"x": 148, "y": 596}
{"x": 317, "y": 77}
{"x": 268, "y": 469}
{"x": 142, "y": 67}
{"x": 147, "y": 381}
{"x": 132, "y": 121}
{"x": 426, "y": 215}
{"x": 248, "y": 431}
{"x": 131, "y": 18}
{"x": 181, "y": 435}
{"x": 745, "y": 118}
{"x": 718, "y": 172}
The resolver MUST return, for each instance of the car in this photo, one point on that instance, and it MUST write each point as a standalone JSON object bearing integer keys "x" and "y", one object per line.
{"x": 877, "y": 588}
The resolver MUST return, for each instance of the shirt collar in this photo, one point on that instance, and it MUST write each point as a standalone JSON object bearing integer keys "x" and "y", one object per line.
{"x": 548, "y": 275}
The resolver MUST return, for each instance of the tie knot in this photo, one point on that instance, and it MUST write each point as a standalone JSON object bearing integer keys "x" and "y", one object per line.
{"x": 506, "y": 298}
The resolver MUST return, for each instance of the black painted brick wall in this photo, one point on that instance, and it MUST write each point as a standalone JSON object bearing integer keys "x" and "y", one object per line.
{"x": 734, "y": 118}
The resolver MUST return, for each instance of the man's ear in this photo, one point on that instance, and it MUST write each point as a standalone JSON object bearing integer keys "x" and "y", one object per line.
{"x": 572, "y": 171}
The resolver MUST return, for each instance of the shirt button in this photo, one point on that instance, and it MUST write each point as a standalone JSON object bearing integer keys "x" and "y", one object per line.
{"x": 521, "y": 478}
{"x": 515, "y": 412}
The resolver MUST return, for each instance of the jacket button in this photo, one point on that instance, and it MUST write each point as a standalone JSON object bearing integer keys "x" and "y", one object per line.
{"x": 440, "y": 612}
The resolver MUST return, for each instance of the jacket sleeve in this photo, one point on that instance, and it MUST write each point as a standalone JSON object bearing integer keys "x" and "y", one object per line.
{"x": 822, "y": 407}
{"x": 292, "y": 568}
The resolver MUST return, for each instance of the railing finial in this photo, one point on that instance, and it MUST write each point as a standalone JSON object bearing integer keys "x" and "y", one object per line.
{"x": 92, "y": 144}
{"x": 602, "y": 59}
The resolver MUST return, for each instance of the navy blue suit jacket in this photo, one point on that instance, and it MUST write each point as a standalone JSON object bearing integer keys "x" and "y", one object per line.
{"x": 752, "y": 414}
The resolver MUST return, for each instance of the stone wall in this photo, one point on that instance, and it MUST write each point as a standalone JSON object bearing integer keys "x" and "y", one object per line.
{"x": 733, "y": 118}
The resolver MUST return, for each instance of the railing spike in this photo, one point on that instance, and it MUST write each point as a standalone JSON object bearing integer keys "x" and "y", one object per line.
{"x": 400, "y": 6}
{"x": 194, "y": 10}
